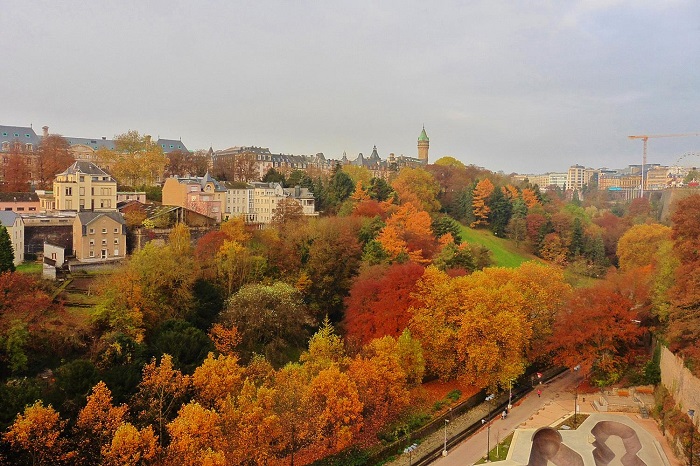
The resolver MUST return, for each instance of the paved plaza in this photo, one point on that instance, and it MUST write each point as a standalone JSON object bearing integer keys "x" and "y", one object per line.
{"x": 604, "y": 438}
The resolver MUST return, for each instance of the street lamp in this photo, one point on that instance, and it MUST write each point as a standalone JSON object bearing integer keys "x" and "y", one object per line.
{"x": 576, "y": 395}
{"x": 444, "y": 450}
{"x": 409, "y": 450}
{"x": 488, "y": 438}
{"x": 691, "y": 413}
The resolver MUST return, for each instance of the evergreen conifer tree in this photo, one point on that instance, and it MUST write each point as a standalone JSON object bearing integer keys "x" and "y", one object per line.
{"x": 7, "y": 254}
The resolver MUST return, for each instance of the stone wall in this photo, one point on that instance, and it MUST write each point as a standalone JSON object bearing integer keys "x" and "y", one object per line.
{"x": 678, "y": 380}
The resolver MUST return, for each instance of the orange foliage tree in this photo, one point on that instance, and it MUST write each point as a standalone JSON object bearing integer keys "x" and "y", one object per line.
{"x": 480, "y": 198}
{"x": 97, "y": 422}
{"x": 161, "y": 391}
{"x": 37, "y": 433}
{"x": 408, "y": 232}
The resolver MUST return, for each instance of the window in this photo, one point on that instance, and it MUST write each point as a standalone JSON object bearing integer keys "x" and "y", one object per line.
{"x": 92, "y": 242}
{"x": 20, "y": 209}
{"x": 92, "y": 231}
{"x": 69, "y": 191}
{"x": 116, "y": 231}
{"x": 116, "y": 240}
{"x": 104, "y": 231}
{"x": 92, "y": 253}
{"x": 29, "y": 147}
{"x": 104, "y": 242}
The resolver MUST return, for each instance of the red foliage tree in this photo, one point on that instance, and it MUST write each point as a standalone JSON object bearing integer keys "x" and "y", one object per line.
{"x": 379, "y": 301}
{"x": 596, "y": 331}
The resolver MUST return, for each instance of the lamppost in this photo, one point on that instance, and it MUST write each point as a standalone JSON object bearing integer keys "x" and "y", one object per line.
{"x": 691, "y": 413}
{"x": 489, "y": 398}
{"x": 409, "y": 450}
{"x": 488, "y": 438}
{"x": 576, "y": 396}
{"x": 444, "y": 450}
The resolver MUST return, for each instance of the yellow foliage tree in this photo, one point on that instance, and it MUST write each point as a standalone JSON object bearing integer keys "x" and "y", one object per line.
{"x": 530, "y": 198}
{"x": 638, "y": 246}
{"x": 131, "y": 447}
{"x": 418, "y": 187}
{"x": 216, "y": 378}
{"x": 196, "y": 437}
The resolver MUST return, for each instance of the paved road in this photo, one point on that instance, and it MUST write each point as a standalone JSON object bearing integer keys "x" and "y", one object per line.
{"x": 557, "y": 396}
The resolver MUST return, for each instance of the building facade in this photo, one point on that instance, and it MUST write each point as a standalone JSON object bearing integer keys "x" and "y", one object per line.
{"x": 202, "y": 194}
{"x": 85, "y": 187}
{"x": 99, "y": 236}
{"x": 15, "y": 228}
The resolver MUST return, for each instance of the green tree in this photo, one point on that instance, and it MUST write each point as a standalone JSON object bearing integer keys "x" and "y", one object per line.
{"x": 500, "y": 212}
{"x": 187, "y": 344}
{"x": 379, "y": 189}
{"x": 7, "y": 254}
{"x": 340, "y": 187}
{"x": 270, "y": 320}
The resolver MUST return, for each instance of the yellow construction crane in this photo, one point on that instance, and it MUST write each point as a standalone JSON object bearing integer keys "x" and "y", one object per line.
{"x": 646, "y": 137}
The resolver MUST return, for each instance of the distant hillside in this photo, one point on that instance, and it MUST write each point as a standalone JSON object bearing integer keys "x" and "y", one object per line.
{"x": 504, "y": 252}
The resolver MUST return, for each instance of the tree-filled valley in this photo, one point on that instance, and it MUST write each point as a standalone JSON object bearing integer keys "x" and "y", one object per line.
{"x": 290, "y": 344}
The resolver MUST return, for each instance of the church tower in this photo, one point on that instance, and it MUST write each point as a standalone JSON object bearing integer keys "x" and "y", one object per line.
{"x": 423, "y": 146}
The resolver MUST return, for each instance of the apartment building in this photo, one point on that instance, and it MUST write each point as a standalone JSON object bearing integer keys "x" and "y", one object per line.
{"x": 85, "y": 187}
{"x": 15, "y": 228}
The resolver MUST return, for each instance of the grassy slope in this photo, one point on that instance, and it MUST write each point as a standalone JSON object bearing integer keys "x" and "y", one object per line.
{"x": 503, "y": 252}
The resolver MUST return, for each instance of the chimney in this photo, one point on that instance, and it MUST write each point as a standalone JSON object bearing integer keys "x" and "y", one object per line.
{"x": 46, "y": 130}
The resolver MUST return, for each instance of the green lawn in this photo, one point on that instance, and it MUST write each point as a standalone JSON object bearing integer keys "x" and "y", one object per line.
{"x": 503, "y": 252}
{"x": 30, "y": 267}
{"x": 500, "y": 451}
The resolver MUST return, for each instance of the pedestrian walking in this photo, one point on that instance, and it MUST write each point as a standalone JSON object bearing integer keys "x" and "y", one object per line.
{"x": 504, "y": 414}
{"x": 539, "y": 393}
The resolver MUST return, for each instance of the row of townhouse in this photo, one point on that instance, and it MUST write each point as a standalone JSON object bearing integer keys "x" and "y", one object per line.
{"x": 256, "y": 202}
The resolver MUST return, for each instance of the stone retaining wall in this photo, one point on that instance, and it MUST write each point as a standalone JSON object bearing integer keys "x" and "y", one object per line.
{"x": 679, "y": 381}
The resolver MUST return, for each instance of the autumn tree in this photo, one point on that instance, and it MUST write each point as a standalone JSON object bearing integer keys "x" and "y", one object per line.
{"x": 97, "y": 423}
{"x": 38, "y": 434}
{"x": 335, "y": 406}
{"x": 180, "y": 163}
{"x": 332, "y": 259}
{"x": 161, "y": 391}
{"x": 408, "y": 232}
{"x": 131, "y": 447}
{"x": 52, "y": 157}
{"x": 292, "y": 383}
{"x": 480, "y": 327}
{"x": 418, "y": 187}
{"x": 287, "y": 211}
{"x": 135, "y": 161}
{"x": 217, "y": 378}
{"x": 16, "y": 171}
{"x": 596, "y": 330}
{"x": 379, "y": 301}
{"x": 480, "y": 198}
{"x": 638, "y": 246}
{"x": 684, "y": 318}
{"x": 196, "y": 437}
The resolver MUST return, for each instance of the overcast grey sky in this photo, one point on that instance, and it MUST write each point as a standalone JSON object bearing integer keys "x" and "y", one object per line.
{"x": 524, "y": 86}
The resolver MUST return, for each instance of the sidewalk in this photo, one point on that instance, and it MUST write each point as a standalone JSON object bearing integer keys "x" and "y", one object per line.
{"x": 532, "y": 412}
